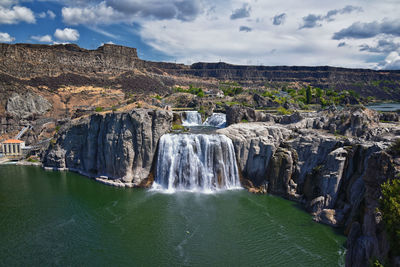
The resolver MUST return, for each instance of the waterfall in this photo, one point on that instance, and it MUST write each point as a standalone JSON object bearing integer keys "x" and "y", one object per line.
{"x": 196, "y": 162}
{"x": 191, "y": 118}
{"x": 217, "y": 120}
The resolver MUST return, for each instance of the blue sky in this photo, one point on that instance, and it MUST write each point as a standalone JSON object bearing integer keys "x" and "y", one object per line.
{"x": 355, "y": 33}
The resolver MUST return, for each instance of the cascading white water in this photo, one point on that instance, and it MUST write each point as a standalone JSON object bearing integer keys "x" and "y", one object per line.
{"x": 191, "y": 118}
{"x": 217, "y": 120}
{"x": 196, "y": 162}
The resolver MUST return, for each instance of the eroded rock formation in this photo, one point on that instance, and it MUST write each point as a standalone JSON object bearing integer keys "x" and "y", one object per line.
{"x": 119, "y": 146}
{"x": 333, "y": 163}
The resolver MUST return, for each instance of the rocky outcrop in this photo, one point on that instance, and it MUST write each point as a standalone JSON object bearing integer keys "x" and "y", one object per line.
{"x": 367, "y": 239}
{"x": 238, "y": 113}
{"x": 336, "y": 177}
{"x": 117, "y": 146}
{"x": 255, "y": 143}
{"x": 32, "y": 60}
{"x": 27, "y": 105}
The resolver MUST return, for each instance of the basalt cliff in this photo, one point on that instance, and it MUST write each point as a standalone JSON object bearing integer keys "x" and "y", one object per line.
{"x": 58, "y": 82}
{"x": 100, "y": 113}
{"x": 332, "y": 162}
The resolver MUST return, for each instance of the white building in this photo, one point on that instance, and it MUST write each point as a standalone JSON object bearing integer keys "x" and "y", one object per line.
{"x": 13, "y": 148}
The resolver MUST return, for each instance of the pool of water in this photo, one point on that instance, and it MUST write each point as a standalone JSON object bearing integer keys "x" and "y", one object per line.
{"x": 62, "y": 218}
{"x": 385, "y": 106}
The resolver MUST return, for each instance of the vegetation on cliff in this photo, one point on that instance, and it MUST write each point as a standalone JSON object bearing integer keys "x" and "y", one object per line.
{"x": 390, "y": 205}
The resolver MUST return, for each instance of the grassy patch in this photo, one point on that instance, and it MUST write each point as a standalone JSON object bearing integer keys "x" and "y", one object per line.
{"x": 177, "y": 127}
{"x": 283, "y": 111}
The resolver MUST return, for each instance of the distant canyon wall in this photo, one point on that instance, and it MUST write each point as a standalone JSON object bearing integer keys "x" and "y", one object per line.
{"x": 40, "y": 61}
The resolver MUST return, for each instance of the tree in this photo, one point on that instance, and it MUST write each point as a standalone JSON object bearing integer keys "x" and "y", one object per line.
{"x": 390, "y": 206}
{"x": 318, "y": 92}
{"x": 308, "y": 95}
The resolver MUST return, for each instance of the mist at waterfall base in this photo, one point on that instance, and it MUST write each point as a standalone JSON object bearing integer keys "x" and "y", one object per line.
{"x": 62, "y": 218}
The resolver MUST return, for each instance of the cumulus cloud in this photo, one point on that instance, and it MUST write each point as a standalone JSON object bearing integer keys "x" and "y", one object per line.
{"x": 279, "y": 19}
{"x": 16, "y": 14}
{"x": 109, "y": 42}
{"x": 359, "y": 30}
{"x": 245, "y": 29}
{"x": 383, "y": 46}
{"x": 346, "y": 10}
{"x": 7, "y": 3}
{"x": 98, "y": 14}
{"x": 42, "y": 39}
{"x": 67, "y": 34}
{"x": 50, "y": 14}
{"x": 243, "y": 12}
{"x": 391, "y": 62}
{"x": 6, "y": 38}
{"x": 113, "y": 11}
{"x": 341, "y": 44}
{"x": 312, "y": 20}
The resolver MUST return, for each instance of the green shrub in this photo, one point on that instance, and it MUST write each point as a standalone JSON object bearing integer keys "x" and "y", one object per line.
{"x": 177, "y": 127}
{"x": 244, "y": 121}
{"x": 32, "y": 160}
{"x": 318, "y": 92}
{"x": 58, "y": 128}
{"x": 232, "y": 91}
{"x": 229, "y": 103}
{"x": 99, "y": 109}
{"x": 390, "y": 207}
{"x": 283, "y": 111}
{"x": 308, "y": 95}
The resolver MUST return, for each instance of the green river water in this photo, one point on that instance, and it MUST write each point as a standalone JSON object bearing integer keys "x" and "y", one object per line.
{"x": 62, "y": 218}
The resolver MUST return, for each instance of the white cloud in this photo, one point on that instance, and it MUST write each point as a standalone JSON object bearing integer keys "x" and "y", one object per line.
{"x": 50, "y": 14}
{"x": 67, "y": 34}
{"x": 109, "y": 42}
{"x": 391, "y": 62}
{"x": 91, "y": 15}
{"x": 6, "y": 38}
{"x": 7, "y": 3}
{"x": 43, "y": 39}
{"x": 190, "y": 41}
{"x": 128, "y": 11}
{"x": 16, "y": 14}
{"x": 201, "y": 30}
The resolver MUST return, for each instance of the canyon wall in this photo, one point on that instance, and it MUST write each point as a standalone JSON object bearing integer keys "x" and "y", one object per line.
{"x": 119, "y": 146}
{"x": 333, "y": 163}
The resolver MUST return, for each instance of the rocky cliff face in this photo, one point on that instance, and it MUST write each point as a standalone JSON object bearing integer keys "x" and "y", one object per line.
{"x": 27, "y": 105}
{"x": 29, "y": 60}
{"x": 118, "y": 146}
{"x": 325, "y": 162}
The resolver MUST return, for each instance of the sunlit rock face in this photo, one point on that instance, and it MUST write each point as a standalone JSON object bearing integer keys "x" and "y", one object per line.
{"x": 117, "y": 145}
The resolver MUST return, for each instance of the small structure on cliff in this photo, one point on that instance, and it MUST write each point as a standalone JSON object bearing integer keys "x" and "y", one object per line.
{"x": 13, "y": 148}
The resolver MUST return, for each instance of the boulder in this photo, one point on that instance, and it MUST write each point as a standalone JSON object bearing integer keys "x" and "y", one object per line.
{"x": 238, "y": 113}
